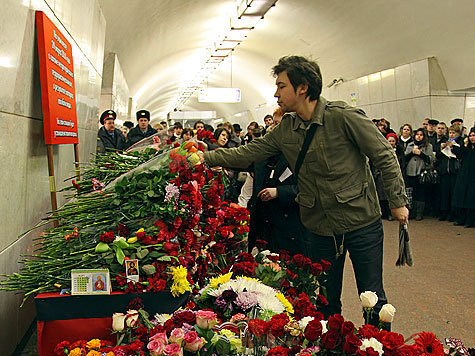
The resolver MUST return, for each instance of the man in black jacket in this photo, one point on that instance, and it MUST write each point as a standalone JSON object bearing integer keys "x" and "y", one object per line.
{"x": 109, "y": 138}
{"x": 142, "y": 130}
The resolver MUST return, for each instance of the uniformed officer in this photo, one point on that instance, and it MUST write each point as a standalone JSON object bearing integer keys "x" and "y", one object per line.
{"x": 142, "y": 130}
{"x": 109, "y": 138}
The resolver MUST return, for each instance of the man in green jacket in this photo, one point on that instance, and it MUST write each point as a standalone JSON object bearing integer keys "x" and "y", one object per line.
{"x": 337, "y": 194}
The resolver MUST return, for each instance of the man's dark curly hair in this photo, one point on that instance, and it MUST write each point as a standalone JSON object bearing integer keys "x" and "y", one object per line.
{"x": 301, "y": 70}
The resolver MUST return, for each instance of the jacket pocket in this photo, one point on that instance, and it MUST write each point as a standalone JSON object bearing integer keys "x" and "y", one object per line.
{"x": 305, "y": 200}
{"x": 350, "y": 193}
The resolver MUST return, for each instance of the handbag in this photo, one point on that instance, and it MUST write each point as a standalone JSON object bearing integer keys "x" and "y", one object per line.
{"x": 429, "y": 176}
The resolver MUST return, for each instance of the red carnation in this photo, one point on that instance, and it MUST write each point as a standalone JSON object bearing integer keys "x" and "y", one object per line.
{"x": 141, "y": 235}
{"x": 278, "y": 351}
{"x": 391, "y": 340}
{"x": 170, "y": 246}
{"x": 277, "y": 323}
{"x": 107, "y": 237}
{"x": 368, "y": 331}
{"x": 258, "y": 327}
{"x": 135, "y": 304}
{"x": 59, "y": 349}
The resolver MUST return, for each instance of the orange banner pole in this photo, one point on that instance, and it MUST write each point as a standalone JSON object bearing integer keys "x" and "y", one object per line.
{"x": 52, "y": 185}
{"x": 76, "y": 162}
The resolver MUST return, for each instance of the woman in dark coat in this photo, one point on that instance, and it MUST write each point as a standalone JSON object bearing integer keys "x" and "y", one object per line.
{"x": 275, "y": 215}
{"x": 464, "y": 194}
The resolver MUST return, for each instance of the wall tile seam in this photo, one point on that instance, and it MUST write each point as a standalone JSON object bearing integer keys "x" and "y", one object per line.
{"x": 66, "y": 29}
{"x": 395, "y": 100}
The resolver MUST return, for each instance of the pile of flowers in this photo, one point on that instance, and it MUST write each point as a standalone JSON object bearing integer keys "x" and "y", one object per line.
{"x": 166, "y": 213}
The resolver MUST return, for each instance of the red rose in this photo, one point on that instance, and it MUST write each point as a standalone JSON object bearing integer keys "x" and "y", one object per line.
{"x": 335, "y": 322}
{"x": 347, "y": 328}
{"x": 298, "y": 260}
{"x": 316, "y": 269}
{"x": 307, "y": 262}
{"x": 284, "y": 255}
{"x": 330, "y": 339}
{"x": 325, "y": 264}
{"x": 351, "y": 344}
{"x": 285, "y": 284}
{"x": 313, "y": 330}
{"x": 278, "y": 351}
{"x": 141, "y": 235}
{"x": 258, "y": 327}
{"x": 107, "y": 237}
{"x": 321, "y": 300}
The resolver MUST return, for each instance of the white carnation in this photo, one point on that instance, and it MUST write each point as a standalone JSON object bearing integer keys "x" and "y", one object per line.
{"x": 375, "y": 344}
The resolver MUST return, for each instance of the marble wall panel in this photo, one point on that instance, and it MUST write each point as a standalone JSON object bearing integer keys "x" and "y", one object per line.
{"x": 445, "y": 108}
{"x": 403, "y": 82}
{"x": 389, "y": 111}
{"x": 469, "y": 113}
{"x": 363, "y": 91}
{"x": 388, "y": 85}
{"x": 420, "y": 78}
{"x": 375, "y": 90}
{"x": 24, "y": 195}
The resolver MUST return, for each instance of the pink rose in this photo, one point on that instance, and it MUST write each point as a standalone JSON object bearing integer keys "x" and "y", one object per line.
{"x": 206, "y": 319}
{"x": 160, "y": 337}
{"x": 156, "y": 348}
{"x": 173, "y": 350}
{"x": 192, "y": 342}
{"x": 176, "y": 336}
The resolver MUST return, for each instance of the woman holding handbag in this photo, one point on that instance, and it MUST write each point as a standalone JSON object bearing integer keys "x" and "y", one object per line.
{"x": 419, "y": 157}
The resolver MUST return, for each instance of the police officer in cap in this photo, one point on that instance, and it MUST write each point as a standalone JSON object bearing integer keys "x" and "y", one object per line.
{"x": 109, "y": 138}
{"x": 142, "y": 130}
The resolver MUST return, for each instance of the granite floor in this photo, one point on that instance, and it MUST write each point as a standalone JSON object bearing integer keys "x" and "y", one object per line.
{"x": 437, "y": 294}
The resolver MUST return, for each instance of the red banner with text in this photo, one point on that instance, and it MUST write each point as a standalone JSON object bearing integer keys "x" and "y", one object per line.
{"x": 57, "y": 83}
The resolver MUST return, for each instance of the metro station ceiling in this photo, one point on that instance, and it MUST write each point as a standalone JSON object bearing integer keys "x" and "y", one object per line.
{"x": 158, "y": 41}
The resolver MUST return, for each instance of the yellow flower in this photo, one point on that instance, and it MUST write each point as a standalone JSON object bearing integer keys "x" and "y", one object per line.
{"x": 180, "y": 282}
{"x": 93, "y": 353}
{"x": 94, "y": 344}
{"x": 110, "y": 353}
{"x": 76, "y": 352}
{"x": 216, "y": 281}
{"x": 228, "y": 333}
{"x": 288, "y": 307}
{"x": 132, "y": 240}
{"x": 249, "y": 279}
{"x": 141, "y": 229}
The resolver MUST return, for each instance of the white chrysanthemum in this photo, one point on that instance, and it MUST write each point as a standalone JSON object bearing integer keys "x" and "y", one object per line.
{"x": 120, "y": 238}
{"x": 375, "y": 344}
{"x": 161, "y": 318}
{"x": 304, "y": 321}
{"x": 270, "y": 302}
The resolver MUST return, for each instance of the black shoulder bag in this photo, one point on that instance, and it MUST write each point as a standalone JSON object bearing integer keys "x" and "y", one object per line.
{"x": 303, "y": 151}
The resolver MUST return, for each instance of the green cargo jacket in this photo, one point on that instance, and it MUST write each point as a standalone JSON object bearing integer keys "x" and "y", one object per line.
{"x": 337, "y": 193}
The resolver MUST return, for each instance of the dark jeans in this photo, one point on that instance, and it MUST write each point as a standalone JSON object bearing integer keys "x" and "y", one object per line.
{"x": 366, "y": 252}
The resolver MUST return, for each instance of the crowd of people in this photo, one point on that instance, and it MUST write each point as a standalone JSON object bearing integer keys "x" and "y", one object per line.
{"x": 438, "y": 165}
{"x": 305, "y": 178}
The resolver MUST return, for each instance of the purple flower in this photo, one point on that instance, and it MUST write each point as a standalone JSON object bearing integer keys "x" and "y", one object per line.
{"x": 246, "y": 300}
{"x": 171, "y": 191}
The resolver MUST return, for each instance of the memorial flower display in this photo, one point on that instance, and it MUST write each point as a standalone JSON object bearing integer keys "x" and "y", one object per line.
{"x": 166, "y": 213}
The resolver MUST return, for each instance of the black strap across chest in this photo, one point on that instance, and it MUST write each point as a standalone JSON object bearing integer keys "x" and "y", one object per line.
{"x": 303, "y": 151}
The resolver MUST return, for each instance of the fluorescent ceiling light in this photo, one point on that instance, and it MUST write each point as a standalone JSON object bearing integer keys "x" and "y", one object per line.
{"x": 219, "y": 95}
